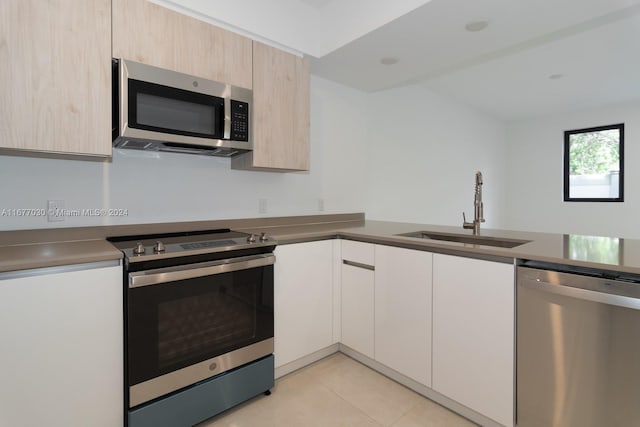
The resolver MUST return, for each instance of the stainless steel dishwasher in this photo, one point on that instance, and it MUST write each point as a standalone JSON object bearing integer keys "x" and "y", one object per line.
{"x": 578, "y": 347}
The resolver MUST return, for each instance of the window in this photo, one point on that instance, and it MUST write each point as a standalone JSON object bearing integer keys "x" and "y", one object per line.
{"x": 594, "y": 164}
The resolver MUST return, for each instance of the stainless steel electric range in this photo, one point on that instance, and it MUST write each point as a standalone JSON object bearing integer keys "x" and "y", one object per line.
{"x": 198, "y": 324}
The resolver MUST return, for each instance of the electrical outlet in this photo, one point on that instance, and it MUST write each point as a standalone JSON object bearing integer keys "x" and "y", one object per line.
{"x": 320, "y": 205}
{"x": 262, "y": 206}
{"x": 55, "y": 210}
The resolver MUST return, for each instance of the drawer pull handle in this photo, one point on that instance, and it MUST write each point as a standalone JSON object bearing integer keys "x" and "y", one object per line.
{"x": 358, "y": 265}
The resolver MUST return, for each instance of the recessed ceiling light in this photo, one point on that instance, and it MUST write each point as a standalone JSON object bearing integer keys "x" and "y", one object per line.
{"x": 556, "y": 76}
{"x": 476, "y": 25}
{"x": 389, "y": 60}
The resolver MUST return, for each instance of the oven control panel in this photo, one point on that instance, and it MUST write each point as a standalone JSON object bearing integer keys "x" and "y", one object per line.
{"x": 154, "y": 247}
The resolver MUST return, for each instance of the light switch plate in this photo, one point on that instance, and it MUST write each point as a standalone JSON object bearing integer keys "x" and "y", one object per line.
{"x": 262, "y": 206}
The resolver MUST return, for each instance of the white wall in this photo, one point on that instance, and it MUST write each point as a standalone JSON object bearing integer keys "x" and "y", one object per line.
{"x": 535, "y": 182}
{"x": 159, "y": 187}
{"x": 339, "y": 120}
{"x": 404, "y": 154}
{"x": 424, "y": 150}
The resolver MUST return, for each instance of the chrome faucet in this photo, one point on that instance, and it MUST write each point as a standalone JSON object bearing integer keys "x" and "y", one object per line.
{"x": 478, "y": 208}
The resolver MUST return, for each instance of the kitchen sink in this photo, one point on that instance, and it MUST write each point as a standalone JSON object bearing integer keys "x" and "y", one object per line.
{"x": 465, "y": 238}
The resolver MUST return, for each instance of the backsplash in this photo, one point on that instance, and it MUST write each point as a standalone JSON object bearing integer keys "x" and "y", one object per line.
{"x": 421, "y": 171}
{"x": 145, "y": 187}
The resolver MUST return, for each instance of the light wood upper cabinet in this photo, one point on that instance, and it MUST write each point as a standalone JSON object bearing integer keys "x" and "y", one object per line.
{"x": 151, "y": 34}
{"x": 56, "y": 76}
{"x": 280, "y": 112}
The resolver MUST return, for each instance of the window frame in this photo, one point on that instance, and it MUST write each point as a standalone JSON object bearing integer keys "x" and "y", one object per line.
{"x": 566, "y": 171}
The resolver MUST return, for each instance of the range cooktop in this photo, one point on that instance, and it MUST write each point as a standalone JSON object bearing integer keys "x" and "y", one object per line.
{"x": 148, "y": 247}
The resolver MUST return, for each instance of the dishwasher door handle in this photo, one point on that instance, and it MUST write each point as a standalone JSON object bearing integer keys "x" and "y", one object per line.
{"x": 579, "y": 293}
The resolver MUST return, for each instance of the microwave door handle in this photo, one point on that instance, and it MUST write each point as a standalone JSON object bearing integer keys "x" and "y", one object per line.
{"x": 227, "y": 117}
{"x": 173, "y": 274}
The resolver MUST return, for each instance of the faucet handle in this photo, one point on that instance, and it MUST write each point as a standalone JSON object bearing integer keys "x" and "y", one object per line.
{"x": 465, "y": 224}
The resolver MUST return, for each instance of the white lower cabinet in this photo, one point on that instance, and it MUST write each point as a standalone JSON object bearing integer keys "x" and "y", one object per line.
{"x": 303, "y": 300}
{"x": 358, "y": 297}
{"x": 403, "y": 311}
{"x": 61, "y": 362}
{"x": 444, "y": 321}
{"x": 473, "y": 334}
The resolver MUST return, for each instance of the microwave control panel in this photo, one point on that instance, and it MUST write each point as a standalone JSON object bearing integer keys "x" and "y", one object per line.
{"x": 239, "y": 121}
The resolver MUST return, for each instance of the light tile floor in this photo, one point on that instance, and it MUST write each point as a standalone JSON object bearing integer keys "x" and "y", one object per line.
{"x": 338, "y": 391}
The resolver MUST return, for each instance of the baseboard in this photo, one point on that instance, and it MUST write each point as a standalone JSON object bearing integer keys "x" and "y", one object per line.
{"x": 425, "y": 391}
{"x": 306, "y": 360}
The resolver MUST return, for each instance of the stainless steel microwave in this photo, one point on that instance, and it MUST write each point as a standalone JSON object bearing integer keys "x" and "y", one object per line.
{"x": 163, "y": 110}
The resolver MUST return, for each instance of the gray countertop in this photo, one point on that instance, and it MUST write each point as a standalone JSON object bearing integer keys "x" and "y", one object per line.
{"x": 52, "y": 254}
{"x": 586, "y": 251}
{"x": 28, "y": 249}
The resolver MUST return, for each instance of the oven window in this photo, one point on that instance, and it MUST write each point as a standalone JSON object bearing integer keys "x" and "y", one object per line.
{"x": 176, "y": 324}
{"x": 194, "y": 325}
{"x": 165, "y": 109}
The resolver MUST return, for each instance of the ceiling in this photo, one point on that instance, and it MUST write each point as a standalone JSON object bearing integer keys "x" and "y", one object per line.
{"x": 309, "y": 27}
{"x": 590, "y": 47}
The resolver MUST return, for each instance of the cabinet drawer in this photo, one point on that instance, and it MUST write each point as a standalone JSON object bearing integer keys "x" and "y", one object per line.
{"x": 362, "y": 253}
{"x": 358, "y": 309}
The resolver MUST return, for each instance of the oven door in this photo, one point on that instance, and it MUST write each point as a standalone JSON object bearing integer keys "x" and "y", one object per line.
{"x": 189, "y": 323}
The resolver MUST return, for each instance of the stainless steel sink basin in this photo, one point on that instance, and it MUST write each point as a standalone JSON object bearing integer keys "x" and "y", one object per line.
{"x": 465, "y": 238}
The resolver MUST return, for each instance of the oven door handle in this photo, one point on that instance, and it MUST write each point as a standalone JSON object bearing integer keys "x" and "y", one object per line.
{"x": 173, "y": 274}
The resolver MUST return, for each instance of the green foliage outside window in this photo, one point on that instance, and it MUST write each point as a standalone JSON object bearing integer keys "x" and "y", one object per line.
{"x": 594, "y": 152}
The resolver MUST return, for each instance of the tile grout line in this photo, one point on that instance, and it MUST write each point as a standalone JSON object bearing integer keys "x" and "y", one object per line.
{"x": 351, "y": 404}
{"x": 394, "y": 422}
{"x": 412, "y": 407}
